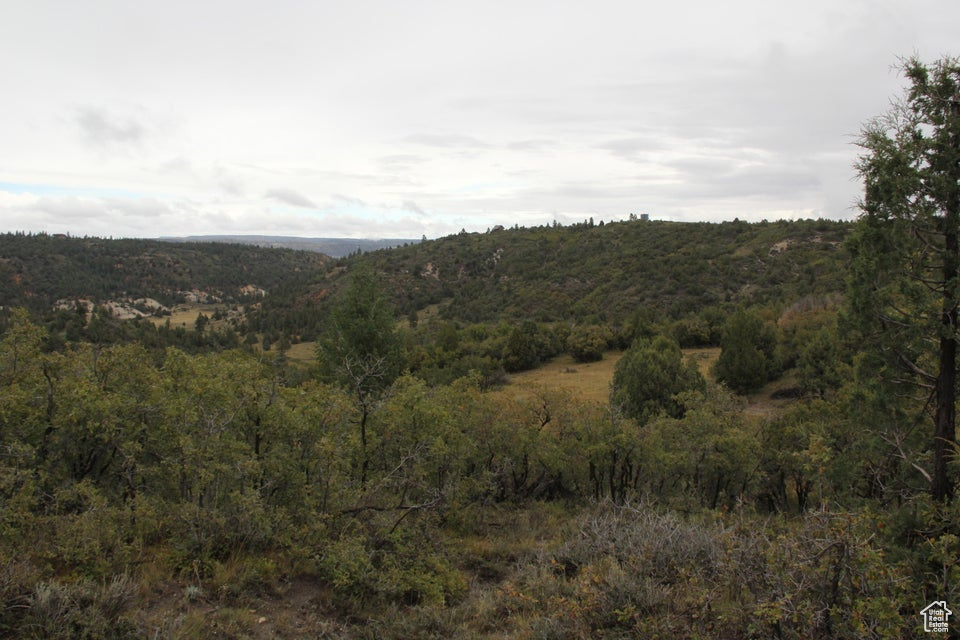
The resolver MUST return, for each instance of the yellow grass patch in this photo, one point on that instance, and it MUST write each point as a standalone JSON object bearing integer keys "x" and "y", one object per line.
{"x": 763, "y": 404}
{"x": 303, "y": 352}
{"x": 590, "y": 381}
{"x": 426, "y": 315}
{"x": 185, "y": 315}
{"x": 705, "y": 358}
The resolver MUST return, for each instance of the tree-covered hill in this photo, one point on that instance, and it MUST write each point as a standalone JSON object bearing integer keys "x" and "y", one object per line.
{"x": 595, "y": 273}
{"x": 604, "y": 272}
{"x": 36, "y": 269}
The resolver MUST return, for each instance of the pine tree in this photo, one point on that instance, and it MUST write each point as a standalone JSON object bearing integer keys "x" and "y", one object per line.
{"x": 361, "y": 349}
{"x": 905, "y": 284}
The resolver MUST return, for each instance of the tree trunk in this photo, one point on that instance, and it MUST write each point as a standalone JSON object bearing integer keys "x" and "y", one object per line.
{"x": 945, "y": 430}
{"x": 365, "y": 460}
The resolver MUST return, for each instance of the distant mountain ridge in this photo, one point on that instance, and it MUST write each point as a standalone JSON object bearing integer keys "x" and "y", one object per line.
{"x": 333, "y": 247}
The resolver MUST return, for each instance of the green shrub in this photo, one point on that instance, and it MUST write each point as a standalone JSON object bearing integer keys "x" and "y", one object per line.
{"x": 403, "y": 566}
{"x": 83, "y": 609}
{"x": 747, "y": 359}
{"x": 649, "y": 378}
{"x": 587, "y": 343}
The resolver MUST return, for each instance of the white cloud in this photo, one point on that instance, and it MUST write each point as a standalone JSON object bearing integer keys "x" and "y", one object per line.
{"x": 102, "y": 128}
{"x": 411, "y": 206}
{"x": 291, "y": 197}
{"x": 439, "y": 116}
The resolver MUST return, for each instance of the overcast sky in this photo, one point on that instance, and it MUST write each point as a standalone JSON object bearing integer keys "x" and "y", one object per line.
{"x": 396, "y": 119}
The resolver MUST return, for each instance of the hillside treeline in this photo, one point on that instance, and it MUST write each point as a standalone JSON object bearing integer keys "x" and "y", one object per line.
{"x": 38, "y": 269}
{"x": 602, "y": 273}
{"x": 582, "y": 273}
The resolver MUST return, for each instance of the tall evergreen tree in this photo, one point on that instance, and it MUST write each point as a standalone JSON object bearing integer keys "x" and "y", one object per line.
{"x": 361, "y": 349}
{"x": 905, "y": 283}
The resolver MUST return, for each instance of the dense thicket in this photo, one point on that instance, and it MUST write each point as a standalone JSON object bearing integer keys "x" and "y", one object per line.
{"x": 213, "y": 471}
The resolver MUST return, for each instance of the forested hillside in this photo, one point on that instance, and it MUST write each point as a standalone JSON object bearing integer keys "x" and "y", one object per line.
{"x": 37, "y": 269}
{"x": 603, "y": 273}
{"x": 583, "y": 272}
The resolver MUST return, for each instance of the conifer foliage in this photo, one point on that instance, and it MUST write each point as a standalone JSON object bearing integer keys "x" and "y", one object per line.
{"x": 906, "y": 268}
